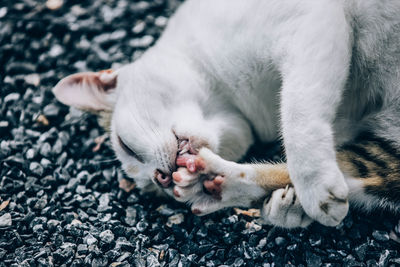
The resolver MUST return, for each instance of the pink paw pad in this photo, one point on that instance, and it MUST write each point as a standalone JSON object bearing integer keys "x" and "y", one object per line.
{"x": 192, "y": 162}
{"x": 214, "y": 187}
{"x": 176, "y": 176}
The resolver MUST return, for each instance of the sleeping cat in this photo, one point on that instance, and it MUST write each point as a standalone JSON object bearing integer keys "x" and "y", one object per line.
{"x": 318, "y": 74}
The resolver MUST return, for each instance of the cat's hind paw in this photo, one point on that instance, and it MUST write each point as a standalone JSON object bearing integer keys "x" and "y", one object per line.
{"x": 283, "y": 209}
{"x": 198, "y": 177}
{"x": 188, "y": 185}
{"x": 209, "y": 183}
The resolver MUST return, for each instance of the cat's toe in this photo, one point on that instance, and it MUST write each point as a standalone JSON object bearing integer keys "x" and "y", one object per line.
{"x": 211, "y": 162}
{"x": 327, "y": 203}
{"x": 187, "y": 193}
{"x": 214, "y": 186}
{"x": 182, "y": 177}
{"x": 332, "y": 209}
{"x": 284, "y": 210}
{"x": 191, "y": 162}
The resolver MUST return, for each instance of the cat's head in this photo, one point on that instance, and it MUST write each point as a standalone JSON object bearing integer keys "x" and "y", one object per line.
{"x": 148, "y": 117}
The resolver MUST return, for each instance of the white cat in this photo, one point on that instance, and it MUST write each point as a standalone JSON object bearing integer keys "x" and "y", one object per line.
{"x": 315, "y": 72}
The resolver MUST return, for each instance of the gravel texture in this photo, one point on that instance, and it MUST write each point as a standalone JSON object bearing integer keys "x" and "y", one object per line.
{"x": 60, "y": 199}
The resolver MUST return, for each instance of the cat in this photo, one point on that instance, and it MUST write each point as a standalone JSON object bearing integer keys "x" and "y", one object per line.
{"x": 318, "y": 74}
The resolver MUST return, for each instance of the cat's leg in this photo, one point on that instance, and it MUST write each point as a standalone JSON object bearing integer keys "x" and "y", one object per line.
{"x": 210, "y": 183}
{"x": 227, "y": 184}
{"x": 314, "y": 70}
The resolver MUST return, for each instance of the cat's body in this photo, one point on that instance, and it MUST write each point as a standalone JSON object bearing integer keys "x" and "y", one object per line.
{"x": 235, "y": 52}
{"x": 318, "y": 72}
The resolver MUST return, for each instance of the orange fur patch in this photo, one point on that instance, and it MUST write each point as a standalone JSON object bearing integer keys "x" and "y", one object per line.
{"x": 272, "y": 176}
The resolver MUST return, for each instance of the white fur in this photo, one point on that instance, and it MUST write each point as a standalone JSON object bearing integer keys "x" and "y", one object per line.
{"x": 283, "y": 209}
{"x": 318, "y": 72}
{"x": 367, "y": 202}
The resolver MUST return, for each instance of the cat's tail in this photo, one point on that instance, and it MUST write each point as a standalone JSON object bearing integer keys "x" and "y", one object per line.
{"x": 371, "y": 165}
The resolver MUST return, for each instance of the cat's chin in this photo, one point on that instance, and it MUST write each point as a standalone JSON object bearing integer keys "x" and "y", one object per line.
{"x": 155, "y": 189}
{"x": 158, "y": 190}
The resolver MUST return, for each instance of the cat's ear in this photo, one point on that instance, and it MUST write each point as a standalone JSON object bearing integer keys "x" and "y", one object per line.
{"x": 90, "y": 91}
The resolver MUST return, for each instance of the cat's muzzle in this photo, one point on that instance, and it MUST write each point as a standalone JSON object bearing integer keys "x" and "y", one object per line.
{"x": 165, "y": 179}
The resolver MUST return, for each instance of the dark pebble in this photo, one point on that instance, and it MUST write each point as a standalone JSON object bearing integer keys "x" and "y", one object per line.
{"x": 99, "y": 261}
{"x": 380, "y": 235}
{"x": 107, "y": 236}
{"x": 5, "y": 220}
{"x": 90, "y": 240}
{"x": 124, "y": 244}
{"x": 51, "y": 110}
{"x": 313, "y": 260}
{"x": 82, "y": 249}
{"x": 384, "y": 258}
{"x": 361, "y": 251}
{"x": 45, "y": 150}
{"x": 280, "y": 241}
{"x": 36, "y": 169}
{"x": 130, "y": 217}
{"x": 20, "y": 68}
{"x": 4, "y": 125}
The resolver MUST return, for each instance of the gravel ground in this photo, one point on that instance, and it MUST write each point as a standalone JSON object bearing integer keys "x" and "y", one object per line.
{"x": 60, "y": 199}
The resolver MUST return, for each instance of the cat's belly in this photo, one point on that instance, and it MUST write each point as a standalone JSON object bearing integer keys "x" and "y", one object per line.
{"x": 263, "y": 117}
{"x": 259, "y": 103}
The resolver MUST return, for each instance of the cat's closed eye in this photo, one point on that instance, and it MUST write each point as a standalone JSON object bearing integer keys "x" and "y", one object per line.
{"x": 129, "y": 151}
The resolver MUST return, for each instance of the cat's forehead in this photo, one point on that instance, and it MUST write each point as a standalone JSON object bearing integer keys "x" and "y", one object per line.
{"x": 133, "y": 113}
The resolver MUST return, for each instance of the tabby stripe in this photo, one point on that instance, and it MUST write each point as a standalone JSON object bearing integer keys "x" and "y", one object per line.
{"x": 362, "y": 169}
{"x": 382, "y": 143}
{"x": 363, "y": 153}
{"x": 388, "y": 149}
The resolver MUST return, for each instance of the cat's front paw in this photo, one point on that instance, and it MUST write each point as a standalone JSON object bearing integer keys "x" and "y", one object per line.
{"x": 326, "y": 201}
{"x": 283, "y": 209}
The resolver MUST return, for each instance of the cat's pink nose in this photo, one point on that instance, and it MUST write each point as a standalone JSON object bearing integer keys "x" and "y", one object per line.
{"x": 163, "y": 179}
